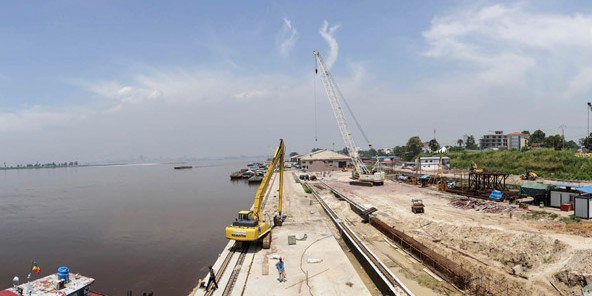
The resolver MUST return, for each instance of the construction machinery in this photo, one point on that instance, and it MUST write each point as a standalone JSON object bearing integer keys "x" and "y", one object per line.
{"x": 474, "y": 168}
{"x": 361, "y": 173}
{"x": 529, "y": 175}
{"x": 417, "y": 206}
{"x": 251, "y": 225}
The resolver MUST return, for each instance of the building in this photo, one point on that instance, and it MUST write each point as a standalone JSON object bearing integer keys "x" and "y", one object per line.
{"x": 324, "y": 160}
{"x": 499, "y": 140}
{"x": 431, "y": 163}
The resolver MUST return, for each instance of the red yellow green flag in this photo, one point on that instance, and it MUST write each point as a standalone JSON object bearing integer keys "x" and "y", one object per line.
{"x": 36, "y": 268}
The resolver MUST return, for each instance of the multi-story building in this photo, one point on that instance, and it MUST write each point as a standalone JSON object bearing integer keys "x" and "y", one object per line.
{"x": 499, "y": 140}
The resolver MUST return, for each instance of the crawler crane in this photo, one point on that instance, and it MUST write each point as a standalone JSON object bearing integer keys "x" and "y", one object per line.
{"x": 250, "y": 225}
{"x": 362, "y": 173}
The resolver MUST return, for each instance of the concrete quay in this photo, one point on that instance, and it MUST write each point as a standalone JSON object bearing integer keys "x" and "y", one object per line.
{"x": 313, "y": 254}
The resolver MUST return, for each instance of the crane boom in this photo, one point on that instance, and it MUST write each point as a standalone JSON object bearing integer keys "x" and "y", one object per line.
{"x": 332, "y": 93}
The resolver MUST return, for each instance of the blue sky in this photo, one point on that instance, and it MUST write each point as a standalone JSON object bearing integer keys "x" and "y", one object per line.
{"x": 105, "y": 80}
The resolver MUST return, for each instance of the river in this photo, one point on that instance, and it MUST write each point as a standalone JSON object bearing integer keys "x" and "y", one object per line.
{"x": 144, "y": 228}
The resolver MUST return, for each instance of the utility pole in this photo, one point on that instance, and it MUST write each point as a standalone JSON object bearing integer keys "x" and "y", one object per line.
{"x": 588, "y": 109}
{"x": 563, "y": 126}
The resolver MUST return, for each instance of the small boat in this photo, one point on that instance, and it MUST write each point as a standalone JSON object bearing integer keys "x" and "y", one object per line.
{"x": 255, "y": 179}
{"x": 236, "y": 175}
{"x": 61, "y": 283}
{"x": 182, "y": 167}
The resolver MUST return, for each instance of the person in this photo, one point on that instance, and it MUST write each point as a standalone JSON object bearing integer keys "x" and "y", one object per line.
{"x": 281, "y": 270}
{"x": 212, "y": 279}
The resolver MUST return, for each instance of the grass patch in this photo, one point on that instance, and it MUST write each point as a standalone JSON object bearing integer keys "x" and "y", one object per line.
{"x": 306, "y": 189}
{"x": 537, "y": 215}
{"x": 547, "y": 163}
{"x": 571, "y": 219}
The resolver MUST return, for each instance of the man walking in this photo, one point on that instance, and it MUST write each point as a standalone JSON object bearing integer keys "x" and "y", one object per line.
{"x": 282, "y": 272}
{"x": 212, "y": 279}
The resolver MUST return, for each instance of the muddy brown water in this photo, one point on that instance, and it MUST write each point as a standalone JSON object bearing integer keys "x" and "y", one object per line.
{"x": 144, "y": 228}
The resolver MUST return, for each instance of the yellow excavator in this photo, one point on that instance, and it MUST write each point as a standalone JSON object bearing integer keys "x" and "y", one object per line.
{"x": 250, "y": 225}
{"x": 529, "y": 175}
{"x": 474, "y": 168}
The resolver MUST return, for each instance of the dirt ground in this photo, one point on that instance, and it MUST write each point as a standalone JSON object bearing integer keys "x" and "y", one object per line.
{"x": 509, "y": 251}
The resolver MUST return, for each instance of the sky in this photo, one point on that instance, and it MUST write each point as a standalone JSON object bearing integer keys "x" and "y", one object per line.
{"x": 94, "y": 81}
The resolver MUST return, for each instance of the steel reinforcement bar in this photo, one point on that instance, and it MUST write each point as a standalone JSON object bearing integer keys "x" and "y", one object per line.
{"x": 443, "y": 266}
{"x": 383, "y": 278}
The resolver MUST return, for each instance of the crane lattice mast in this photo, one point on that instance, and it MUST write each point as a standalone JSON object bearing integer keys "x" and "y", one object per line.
{"x": 332, "y": 92}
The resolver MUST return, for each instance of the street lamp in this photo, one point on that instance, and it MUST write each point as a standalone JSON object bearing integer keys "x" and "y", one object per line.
{"x": 589, "y": 108}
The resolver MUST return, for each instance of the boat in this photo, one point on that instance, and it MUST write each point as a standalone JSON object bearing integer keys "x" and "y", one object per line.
{"x": 236, "y": 175}
{"x": 255, "y": 179}
{"x": 61, "y": 283}
{"x": 183, "y": 167}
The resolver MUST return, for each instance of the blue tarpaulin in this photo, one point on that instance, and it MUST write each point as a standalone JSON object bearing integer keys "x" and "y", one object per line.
{"x": 495, "y": 194}
{"x": 426, "y": 176}
{"x": 585, "y": 189}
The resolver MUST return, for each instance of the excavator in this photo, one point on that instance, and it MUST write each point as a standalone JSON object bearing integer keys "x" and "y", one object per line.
{"x": 529, "y": 175}
{"x": 474, "y": 168}
{"x": 250, "y": 225}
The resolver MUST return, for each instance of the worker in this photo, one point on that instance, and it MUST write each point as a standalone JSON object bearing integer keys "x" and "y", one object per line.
{"x": 282, "y": 272}
{"x": 212, "y": 279}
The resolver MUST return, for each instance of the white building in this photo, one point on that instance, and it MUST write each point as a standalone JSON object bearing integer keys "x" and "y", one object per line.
{"x": 499, "y": 140}
{"x": 430, "y": 163}
{"x": 324, "y": 160}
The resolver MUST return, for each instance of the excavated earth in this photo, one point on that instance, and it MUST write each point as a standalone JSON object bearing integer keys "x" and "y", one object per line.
{"x": 507, "y": 249}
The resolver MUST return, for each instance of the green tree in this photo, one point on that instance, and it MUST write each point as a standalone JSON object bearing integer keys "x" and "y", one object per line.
{"x": 587, "y": 142}
{"x": 399, "y": 151}
{"x": 413, "y": 148}
{"x": 315, "y": 149}
{"x": 572, "y": 145}
{"x": 372, "y": 152}
{"x": 556, "y": 142}
{"x": 470, "y": 143}
{"x": 460, "y": 142}
{"x": 344, "y": 151}
{"x": 293, "y": 154}
{"x": 434, "y": 145}
{"x": 537, "y": 137}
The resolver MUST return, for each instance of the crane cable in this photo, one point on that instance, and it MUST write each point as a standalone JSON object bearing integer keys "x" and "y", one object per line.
{"x": 314, "y": 78}
{"x": 352, "y": 115}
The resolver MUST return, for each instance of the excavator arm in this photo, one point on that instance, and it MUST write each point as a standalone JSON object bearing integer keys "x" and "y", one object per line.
{"x": 278, "y": 160}
{"x": 249, "y": 226}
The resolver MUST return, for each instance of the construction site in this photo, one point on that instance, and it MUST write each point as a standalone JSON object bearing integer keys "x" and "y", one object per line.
{"x": 345, "y": 227}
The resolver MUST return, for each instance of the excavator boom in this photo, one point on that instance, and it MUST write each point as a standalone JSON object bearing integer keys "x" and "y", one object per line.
{"x": 250, "y": 225}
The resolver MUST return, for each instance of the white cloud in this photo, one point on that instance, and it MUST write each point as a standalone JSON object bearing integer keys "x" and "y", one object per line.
{"x": 288, "y": 36}
{"x": 507, "y": 44}
{"x": 37, "y": 118}
{"x": 328, "y": 35}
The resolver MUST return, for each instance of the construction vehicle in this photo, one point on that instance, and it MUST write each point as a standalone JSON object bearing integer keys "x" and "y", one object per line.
{"x": 474, "y": 168}
{"x": 529, "y": 175}
{"x": 361, "y": 173}
{"x": 251, "y": 225}
{"x": 417, "y": 206}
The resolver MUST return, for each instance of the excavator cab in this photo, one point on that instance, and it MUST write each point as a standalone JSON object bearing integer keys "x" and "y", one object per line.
{"x": 245, "y": 218}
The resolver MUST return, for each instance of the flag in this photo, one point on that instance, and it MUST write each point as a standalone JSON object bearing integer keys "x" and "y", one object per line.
{"x": 36, "y": 268}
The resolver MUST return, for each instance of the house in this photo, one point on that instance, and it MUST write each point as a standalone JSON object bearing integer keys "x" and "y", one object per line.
{"x": 431, "y": 163}
{"x": 324, "y": 160}
{"x": 499, "y": 140}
